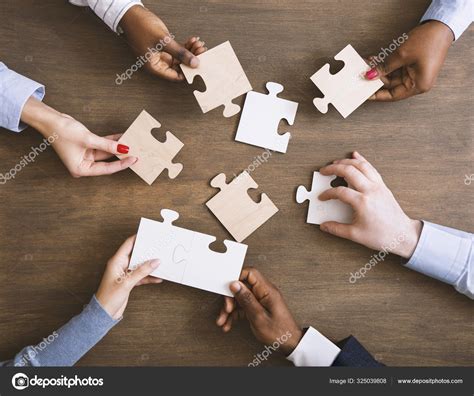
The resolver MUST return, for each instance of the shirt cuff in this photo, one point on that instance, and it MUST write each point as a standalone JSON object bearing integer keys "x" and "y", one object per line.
{"x": 440, "y": 254}
{"x": 15, "y": 90}
{"x": 110, "y": 11}
{"x": 456, "y": 14}
{"x": 314, "y": 350}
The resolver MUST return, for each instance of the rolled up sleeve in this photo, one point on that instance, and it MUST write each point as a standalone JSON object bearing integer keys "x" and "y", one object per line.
{"x": 15, "y": 90}
{"x": 456, "y": 14}
{"x": 110, "y": 11}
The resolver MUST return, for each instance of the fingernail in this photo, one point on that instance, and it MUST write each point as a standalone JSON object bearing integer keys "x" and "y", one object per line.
{"x": 122, "y": 149}
{"x": 323, "y": 228}
{"x": 371, "y": 74}
{"x": 194, "y": 62}
{"x": 235, "y": 287}
{"x": 155, "y": 263}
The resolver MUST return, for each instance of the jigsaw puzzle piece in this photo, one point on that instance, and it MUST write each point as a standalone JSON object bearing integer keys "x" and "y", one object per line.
{"x": 261, "y": 117}
{"x": 224, "y": 77}
{"x": 348, "y": 89}
{"x": 214, "y": 271}
{"x": 154, "y": 156}
{"x": 235, "y": 209}
{"x": 322, "y": 211}
{"x": 163, "y": 241}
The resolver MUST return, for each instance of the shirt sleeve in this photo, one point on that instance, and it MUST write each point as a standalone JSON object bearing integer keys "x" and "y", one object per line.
{"x": 447, "y": 255}
{"x": 110, "y": 11}
{"x": 15, "y": 90}
{"x": 67, "y": 345}
{"x": 456, "y": 14}
{"x": 314, "y": 350}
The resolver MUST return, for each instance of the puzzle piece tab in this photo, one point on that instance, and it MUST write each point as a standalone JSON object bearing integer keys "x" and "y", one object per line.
{"x": 224, "y": 78}
{"x": 322, "y": 211}
{"x": 185, "y": 256}
{"x": 153, "y": 156}
{"x": 261, "y": 116}
{"x": 348, "y": 89}
{"x": 235, "y": 209}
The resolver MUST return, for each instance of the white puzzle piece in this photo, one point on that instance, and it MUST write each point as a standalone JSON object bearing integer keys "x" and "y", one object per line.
{"x": 348, "y": 89}
{"x": 224, "y": 78}
{"x": 261, "y": 116}
{"x": 235, "y": 209}
{"x": 185, "y": 256}
{"x": 322, "y": 211}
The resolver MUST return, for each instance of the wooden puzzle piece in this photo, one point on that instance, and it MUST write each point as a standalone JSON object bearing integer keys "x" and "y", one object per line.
{"x": 235, "y": 209}
{"x": 185, "y": 256}
{"x": 224, "y": 78}
{"x": 153, "y": 156}
{"x": 261, "y": 116}
{"x": 348, "y": 89}
{"x": 322, "y": 211}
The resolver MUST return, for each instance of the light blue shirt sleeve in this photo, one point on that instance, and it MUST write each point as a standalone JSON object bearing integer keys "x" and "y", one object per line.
{"x": 64, "y": 347}
{"x": 445, "y": 254}
{"x": 110, "y": 11}
{"x": 15, "y": 90}
{"x": 456, "y": 14}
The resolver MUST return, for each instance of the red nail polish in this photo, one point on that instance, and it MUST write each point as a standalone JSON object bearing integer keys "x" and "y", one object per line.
{"x": 122, "y": 149}
{"x": 371, "y": 74}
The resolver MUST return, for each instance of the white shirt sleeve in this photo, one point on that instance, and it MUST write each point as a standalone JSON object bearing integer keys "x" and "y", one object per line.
{"x": 15, "y": 90}
{"x": 456, "y": 14}
{"x": 447, "y": 255}
{"x": 314, "y": 350}
{"x": 110, "y": 11}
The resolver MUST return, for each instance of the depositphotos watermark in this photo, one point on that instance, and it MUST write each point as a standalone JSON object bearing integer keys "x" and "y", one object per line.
{"x": 386, "y": 51}
{"x": 469, "y": 179}
{"x": 143, "y": 59}
{"x": 33, "y": 351}
{"x": 269, "y": 349}
{"x": 257, "y": 161}
{"x": 21, "y": 381}
{"x": 28, "y": 158}
{"x": 376, "y": 258}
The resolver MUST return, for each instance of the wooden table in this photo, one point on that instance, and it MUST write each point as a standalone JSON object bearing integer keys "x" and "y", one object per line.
{"x": 57, "y": 232}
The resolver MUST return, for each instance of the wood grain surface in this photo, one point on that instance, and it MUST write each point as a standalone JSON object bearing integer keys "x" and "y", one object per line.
{"x": 57, "y": 232}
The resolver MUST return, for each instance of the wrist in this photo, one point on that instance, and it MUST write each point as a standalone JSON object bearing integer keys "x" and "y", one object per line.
{"x": 444, "y": 32}
{"x": 288, "y": 347}
{"x": 411, "y": 236}
{"x": 39, "y": 116}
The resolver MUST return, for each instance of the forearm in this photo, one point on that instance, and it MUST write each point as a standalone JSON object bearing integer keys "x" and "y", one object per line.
{"x": 67, "y": 345}
{"x": 39, "y": 116}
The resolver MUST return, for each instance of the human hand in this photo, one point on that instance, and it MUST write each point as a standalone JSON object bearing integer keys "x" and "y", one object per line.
{"x": 118, "y": 280}
{"x": 265, "y": 309}
{"x": 412, "y": 69}
{"x": 379, "y": 222}
{"x": 82, "y": 152}
{"x": 145, "y": 31}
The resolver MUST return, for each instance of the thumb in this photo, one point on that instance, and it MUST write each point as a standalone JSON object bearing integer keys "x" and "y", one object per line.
{"x": 107, "y": 145}
{"x": 392, "y": 63}
{"x": 143, "y": 271}
{"x": 247, "y": 301}
{"x": 338, "y": 229}
{"x": 181, "y": 54}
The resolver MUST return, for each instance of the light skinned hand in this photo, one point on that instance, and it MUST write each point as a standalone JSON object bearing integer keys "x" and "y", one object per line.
{"x": 82, "y": 152}
{"x": 412, "y": 68}
{"x": 264, "y": 307}
{"x": 378, "y": 218}
{"x": 118, "y": 281}
{"x": 144, "y": 31}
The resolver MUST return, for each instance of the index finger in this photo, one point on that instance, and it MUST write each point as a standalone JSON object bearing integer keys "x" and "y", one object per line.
{"x": 265, "y": 292}
{"x": 353, "y": 176}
